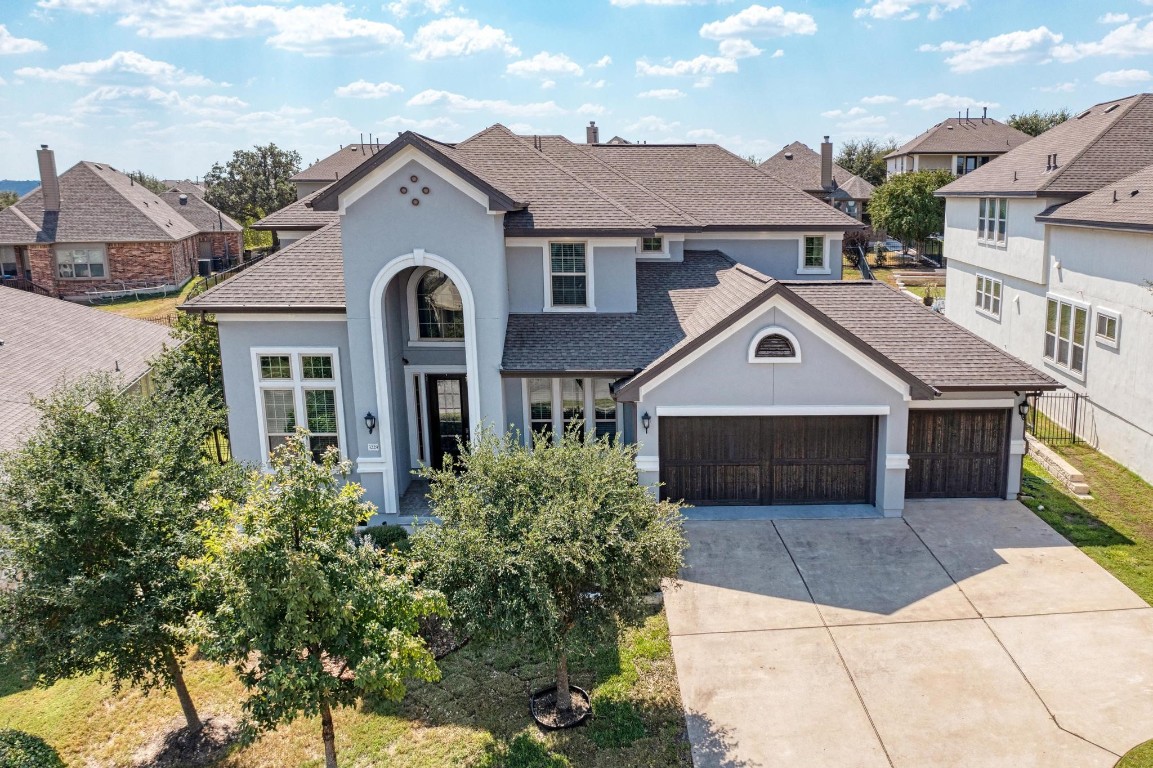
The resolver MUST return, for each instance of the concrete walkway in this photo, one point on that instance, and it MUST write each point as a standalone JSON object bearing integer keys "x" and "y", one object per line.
{"x": 967, "y": 634}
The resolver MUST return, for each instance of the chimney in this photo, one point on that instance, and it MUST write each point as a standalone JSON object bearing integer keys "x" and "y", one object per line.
{"x": 984, "y": 113}
{"x": 49, "y": 182}
{"x": 592, "y": 133}
{"x": 826, "y": 164}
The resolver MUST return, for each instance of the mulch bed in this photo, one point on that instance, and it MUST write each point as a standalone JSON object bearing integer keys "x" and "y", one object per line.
{"x": 181, "y": 748}
{"x": 441, "y": 638}
{"x": 545, "y": 712}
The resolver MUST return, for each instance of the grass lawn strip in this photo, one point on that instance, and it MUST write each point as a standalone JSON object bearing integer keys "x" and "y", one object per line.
{"x": 149, "y": 309}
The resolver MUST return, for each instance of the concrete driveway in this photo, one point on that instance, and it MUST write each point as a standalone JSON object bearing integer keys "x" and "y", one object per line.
{"x": 967, "y": 634}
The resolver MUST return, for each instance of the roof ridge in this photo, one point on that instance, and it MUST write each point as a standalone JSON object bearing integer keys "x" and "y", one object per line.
{"x": 24, "y": 218}
{"x": 1134, "y": 101}
{"x": 587, "y": 152}
{"x": 95, "y": 169}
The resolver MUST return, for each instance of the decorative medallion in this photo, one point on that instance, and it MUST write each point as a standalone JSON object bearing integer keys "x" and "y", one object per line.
{"x": 404, "y": 190}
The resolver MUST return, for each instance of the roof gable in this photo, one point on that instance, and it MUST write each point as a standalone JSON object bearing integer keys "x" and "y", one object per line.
{"x": 1125, "y": 204}
{"x": 800, "y": 166}
{"x": 968, "y": 135}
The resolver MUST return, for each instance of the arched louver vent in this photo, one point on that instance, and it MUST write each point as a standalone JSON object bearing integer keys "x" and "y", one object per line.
{"x": 775, "y": 345}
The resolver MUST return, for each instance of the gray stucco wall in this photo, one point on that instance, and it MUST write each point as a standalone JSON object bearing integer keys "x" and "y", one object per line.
{"x": 777, "y": 257}
{"x": 614, "y": 278}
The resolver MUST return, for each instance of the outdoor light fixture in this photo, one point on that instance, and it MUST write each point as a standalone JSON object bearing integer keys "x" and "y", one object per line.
{"x": 1023, "y": 407}
{"x": 646, "y": 420}
{"x": 370, "y": 422}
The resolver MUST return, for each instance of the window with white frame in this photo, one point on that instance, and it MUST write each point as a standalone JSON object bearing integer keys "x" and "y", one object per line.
{"x": 992, "y": 215}
{"x": 81, "y": 263}
{"x": 813, "y": 256}
{"x": 553, "y": 406}
{"x": 299, "y": 388}
{"x": 989, "y": 295}
{"x": 439, "y": 310}
{"x": 1066, "y": 331}
{"x": 568, "y": 275}
{"x": 1108, "y": 328}
{"x": 652, "y": 245}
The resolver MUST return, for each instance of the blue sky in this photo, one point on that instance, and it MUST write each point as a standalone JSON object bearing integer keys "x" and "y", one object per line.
{"x": 169, "y": 86}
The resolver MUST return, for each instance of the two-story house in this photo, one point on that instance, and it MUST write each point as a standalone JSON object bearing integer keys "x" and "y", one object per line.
{"x": 957, "y": 144}
{"x": 1049, "y": 258}
{"x": 672, "y": 296}
{"x": 817, "y": 174}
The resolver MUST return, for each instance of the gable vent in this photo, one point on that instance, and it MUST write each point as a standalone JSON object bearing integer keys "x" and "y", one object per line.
{"x": 775, "y": 345}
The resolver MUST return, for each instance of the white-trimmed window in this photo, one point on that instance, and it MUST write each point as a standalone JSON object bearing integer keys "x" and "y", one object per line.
{"x": 1107, "y": 329}
{"x": 652, "y": 245}
{"x": 813, "y": 255}
{"x": 989, "y": 296}
{"x": 552, "y": 406}
{"x": 568, "y": 276}
{"x": 299, "y": 388}
{"x": 1066, "y": 334}
{"x": 81, "y": 262}
{"x": 436, "y": 313}
{"x": 774, "y": 345}
{"x": 992, "y": 218}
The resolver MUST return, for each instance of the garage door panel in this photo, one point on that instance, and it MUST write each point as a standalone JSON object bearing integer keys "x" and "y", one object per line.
{"x": 713, "y": 484}
{"x": 821, "y": 484}
{"x": 957, "y": 453}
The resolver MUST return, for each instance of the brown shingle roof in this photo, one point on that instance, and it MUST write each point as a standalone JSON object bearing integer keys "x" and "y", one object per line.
{"x": 98, "y": 204}
{"x": 338, "y": 164}
{"x": 47, "y": 341}
{"x": 306, "y": 276}
{"x": 976, "y": 136}
{"x": 299, "y": 215}
{"x": 799, "y": 166}
{"x": 1125, "y": 204}
{"x": 197, "y": 212}
{"x": 1102, "y": 144}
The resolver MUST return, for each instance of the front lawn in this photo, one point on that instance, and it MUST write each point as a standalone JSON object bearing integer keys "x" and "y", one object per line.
{"x": 477, "y": 715}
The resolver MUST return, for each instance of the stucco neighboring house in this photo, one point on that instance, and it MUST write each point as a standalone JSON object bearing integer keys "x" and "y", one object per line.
{"x": 1049, "y": 257}
{"x": 45, "y": 342}
{"x": 93, "y": 229}
{"x": 958, "y": 144}
{"x": 817, "y": 174}
{"x": 673, "y": 296}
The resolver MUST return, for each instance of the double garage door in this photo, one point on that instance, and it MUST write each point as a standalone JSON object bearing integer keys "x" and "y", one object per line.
{"x": 759, "y": 460}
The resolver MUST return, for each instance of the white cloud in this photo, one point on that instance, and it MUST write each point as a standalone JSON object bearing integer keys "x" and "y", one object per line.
{"x": 942, "y": 101}
{"x": 10, "y": 44}
{"x": 121, "y": 62}
{"x": 703, "y": 82}
{"x": 547, "y": 84}
{"x": 1129, "y": 40}
{"x": 595, "y": 83}
{"x": 631, "y": 3}
{"x": 398, "y": 123}
{"x": 863, "y": 126}
{"x": 1113, "y": 18}
{"x": 759, "y": 21}
{"x": 737, "y": 48}
{"x": 1123, "y": 78}
{"x": 596, "y": 110}
{"x": 778, "y": 53}
{"x": 854, "y": 112}
{"x": 458, "y": 103}
{"x": 603, "y": 62}
{"x": 906, "y": 10}
{"x": 457, "y": 36}
{"x": 363, "y": 89}
{"x": 653, "y": 124}
{"x": 1010, "y": 48}
{"x": 3, "y": 81}
{"x": 403, "y": 8}
{"x": 879, "y": 99}
{"x": 1059, "y": 87}
{"x": 701, "y": 65}
{"x": 545, "y": 63}
{"x": 662, "y": 93}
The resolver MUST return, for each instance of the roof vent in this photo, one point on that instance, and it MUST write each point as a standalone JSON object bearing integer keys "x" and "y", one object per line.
{"x": 1111, "y": 107}
{"x": 788, "y": 155}
{"x": 948, "y": 127}
{"x": 1134, "y": 193}
{"x": 1087, "y": 111}
{"x": 183, "y": 199}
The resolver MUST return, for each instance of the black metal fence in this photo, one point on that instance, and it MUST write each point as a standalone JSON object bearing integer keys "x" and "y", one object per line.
{"x": 1059, "y": 417}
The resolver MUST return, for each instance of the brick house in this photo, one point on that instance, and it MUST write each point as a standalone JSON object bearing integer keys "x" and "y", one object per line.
{"x": 93, "y": 228}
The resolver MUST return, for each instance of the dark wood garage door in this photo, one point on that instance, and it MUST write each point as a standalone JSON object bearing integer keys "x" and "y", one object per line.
{"x": 956, "y": 454}
{"x": 768, "y": 459}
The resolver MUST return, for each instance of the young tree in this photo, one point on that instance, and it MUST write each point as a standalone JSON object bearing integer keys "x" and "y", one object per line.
{"x": 150, "y": 182}
{"x": 905, "y": 207}
{"x": 310, "y": 620}
{"x": 97, "y": 508}
{"x": 866, "y": 158}
{"x": 1037, "y": 122}
{"x": 7, "y": 198}
{"x": 254, "y": 183}
{"x": 549, "y": 545}
{"x": 193, "y": 363}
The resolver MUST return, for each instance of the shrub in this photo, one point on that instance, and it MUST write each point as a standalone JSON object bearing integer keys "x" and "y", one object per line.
{"x": 23, "y": 750}
{"x": 387, "y": 536}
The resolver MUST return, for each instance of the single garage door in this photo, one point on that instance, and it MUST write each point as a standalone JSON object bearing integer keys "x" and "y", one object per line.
{"x": 768, "y": 459}
{"x": 957, "y": 453}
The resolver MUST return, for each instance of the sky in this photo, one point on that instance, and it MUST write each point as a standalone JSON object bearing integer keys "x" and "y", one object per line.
{"x": 172, "y": 86}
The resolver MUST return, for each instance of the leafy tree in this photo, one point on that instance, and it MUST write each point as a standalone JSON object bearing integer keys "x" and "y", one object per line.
{"x": 905, "y": 207}
{"x": 866, "y": 158}
{"x": 254, "y": 182}
{"x": 193, "y": 364}
{"x": 754, "y": 160}
{"x": 549, "y": 545}
{"x": 309, "y": 619}
{"x": 97, "y": 508}
{"x": 7, "y": 198}
{"x": 1037, "y": 122}
{"x": 147, "y": 180}
{"x": 23, "y": 750}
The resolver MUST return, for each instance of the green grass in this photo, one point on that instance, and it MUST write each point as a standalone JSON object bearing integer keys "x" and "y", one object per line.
{"x": 149, "y": 309}
{"x": 477, "y": 715}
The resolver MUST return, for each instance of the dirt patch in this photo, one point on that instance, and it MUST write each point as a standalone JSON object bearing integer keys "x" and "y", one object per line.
{"x": 545, "y": 712}
{"x": 178, "y": 747}
{"x": 440, "y": 637}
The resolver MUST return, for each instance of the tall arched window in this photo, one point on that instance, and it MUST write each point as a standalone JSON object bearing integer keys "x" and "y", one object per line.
{"x": 439, "y": 313}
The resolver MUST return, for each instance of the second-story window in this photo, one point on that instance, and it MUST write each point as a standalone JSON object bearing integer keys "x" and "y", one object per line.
{"x": 652, "y": 245}
{"x": 439, "y": 312}
{"x": 1066, "y": 329}
{"x": 814, "y": 255}
{"x": 568, "y": 274}
{"x": 969, "y": 163}
{"x": 992, "y": 216}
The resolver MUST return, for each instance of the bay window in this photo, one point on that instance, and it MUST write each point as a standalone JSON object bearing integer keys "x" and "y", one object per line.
{"x": 992, "y": 219}
{"x": 553, "y": 406}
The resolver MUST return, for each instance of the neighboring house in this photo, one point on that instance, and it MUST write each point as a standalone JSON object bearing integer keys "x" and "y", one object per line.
{"x": 219, "y": 238}
{"x": 817, "y": 174}
{"x": 95, "y": 230}
{"x": 959, "y": 144}
{"x": 45, "y": 342}
{"x": 674, "y": 296}
{"x": 332, "y": 168}
{"x": 1048, "y": 254}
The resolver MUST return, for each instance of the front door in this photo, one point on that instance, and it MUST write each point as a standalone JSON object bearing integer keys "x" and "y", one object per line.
{"x": 447, "y": 415}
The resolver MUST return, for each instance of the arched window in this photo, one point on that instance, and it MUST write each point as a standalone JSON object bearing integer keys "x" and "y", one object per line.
{"x": 439, "y": 313}
{"x": 774, "y": 345}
